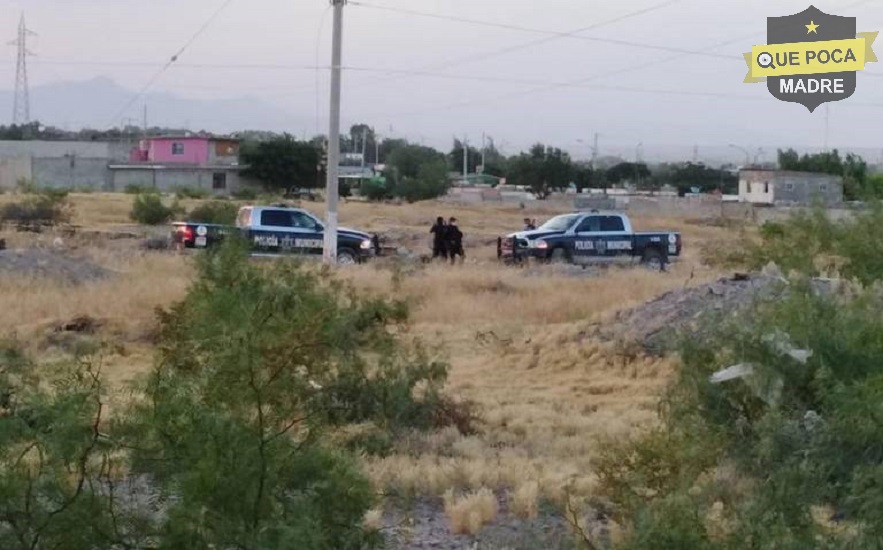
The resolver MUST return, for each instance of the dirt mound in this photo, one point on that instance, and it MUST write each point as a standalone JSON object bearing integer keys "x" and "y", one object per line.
{"x": 656, "y": 324}
{"x": 50, "y": 264}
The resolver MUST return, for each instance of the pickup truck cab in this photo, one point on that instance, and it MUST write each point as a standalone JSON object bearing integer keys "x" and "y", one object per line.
{"x": 275, "y": 230}
{"x": 593, "y": 238}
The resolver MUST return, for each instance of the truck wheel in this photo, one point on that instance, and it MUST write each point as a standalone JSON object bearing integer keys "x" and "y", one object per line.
{"x": 345, "y": 256}
{"x": 652, "y": 259}
{"x": 558, "y": 256}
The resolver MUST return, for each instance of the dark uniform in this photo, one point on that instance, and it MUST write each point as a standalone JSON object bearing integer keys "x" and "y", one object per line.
{"x": 439, "y": 238}
{"x": 455, "y": 241}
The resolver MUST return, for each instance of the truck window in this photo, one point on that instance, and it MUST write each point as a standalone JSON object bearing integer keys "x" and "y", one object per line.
{"x": 588, "y": 225}
{"x": 611, "y": 224}
{"x": 276, "y": 218}
{"x": 302, "y": 221}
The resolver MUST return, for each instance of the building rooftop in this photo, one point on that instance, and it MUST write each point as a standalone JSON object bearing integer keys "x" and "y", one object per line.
{"x": 194, "y": 136}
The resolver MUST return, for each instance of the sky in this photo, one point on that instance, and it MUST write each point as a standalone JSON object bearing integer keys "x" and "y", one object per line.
{"x": 432, "y": 78}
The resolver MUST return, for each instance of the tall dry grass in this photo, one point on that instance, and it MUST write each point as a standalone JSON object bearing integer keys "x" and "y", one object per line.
{"x": 518, "y": 343}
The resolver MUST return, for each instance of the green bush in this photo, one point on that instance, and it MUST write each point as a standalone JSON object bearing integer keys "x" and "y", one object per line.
{"x": 812, "y": 244}
{"x": 431, "y": 182}
{"x": 139, "y": 189}
{"x": 189, "y": 192}
{"x": 149, "y": 209}
{"x": 217, "y": 212}
{"x": 46, "y": 209}
{"x": 768, "y": 448}
{"x": 375, "y": 190}
{"x": 226, "y": 443}
{"x": 245, "y": 194}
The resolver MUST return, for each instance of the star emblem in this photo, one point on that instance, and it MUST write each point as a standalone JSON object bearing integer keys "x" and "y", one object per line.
{"x": 811, "y": 27}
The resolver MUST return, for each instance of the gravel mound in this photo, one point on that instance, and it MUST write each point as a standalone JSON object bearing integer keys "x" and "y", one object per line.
{"x": 656, "y": 324}
{"x": 50, "y": 264}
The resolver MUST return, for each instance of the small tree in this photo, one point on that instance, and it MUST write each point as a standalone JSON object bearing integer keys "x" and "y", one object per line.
{"x": 284, "y": 162}
{"x": 217, "y": 212}
{"x": 149, "y": 209}
{"x": 431, "y": 182}
{"x": 542, "y": 169}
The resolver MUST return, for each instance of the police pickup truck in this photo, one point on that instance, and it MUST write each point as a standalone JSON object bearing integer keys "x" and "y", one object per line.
{"x": 592, "y": 237}
{"x": 274, "y": 230}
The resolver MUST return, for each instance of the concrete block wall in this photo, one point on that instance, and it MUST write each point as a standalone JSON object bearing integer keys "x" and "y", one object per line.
{"x": 71, "y": 173}
{"x": 13, "y": 170}
{"x": 169, "y": 180}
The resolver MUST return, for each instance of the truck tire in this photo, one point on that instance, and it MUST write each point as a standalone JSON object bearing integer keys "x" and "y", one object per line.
{"x": 559, "y": 256}
{"x": 346, "y": 256}
{"x": 653, "y": 259}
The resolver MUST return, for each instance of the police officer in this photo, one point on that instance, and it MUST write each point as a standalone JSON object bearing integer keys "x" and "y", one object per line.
{"x": 455, "y": 241}
{"x": 439, "y": 239}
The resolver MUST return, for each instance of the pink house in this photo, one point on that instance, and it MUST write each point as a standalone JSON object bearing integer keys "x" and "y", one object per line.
{"x": 193, "y": 150}
{"x": 167, "y": 163}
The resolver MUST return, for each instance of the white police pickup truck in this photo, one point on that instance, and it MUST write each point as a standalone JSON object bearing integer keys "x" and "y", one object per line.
{"x": 592, "y": 238}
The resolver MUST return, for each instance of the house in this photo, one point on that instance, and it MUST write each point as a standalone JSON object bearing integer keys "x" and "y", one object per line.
{"x": 779, "y": 187}
{"x": 169, "y": 162}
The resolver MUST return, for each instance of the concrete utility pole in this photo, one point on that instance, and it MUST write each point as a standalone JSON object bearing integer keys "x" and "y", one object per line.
{"x": 329, "y": 249}
{"x": 364, "y": 145}
{"x": 465, "y": 160}
{"x": 595, "y": 151}
{"x": 826, "y": 127}
{"x": 483, "y": 149}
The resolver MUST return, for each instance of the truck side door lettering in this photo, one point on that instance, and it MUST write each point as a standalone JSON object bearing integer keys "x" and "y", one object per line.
{"x": 586, "y": 243}
{"x": 618, "y": 241}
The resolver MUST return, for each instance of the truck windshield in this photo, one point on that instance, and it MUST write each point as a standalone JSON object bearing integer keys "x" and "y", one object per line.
{"x": 560, "y": 223}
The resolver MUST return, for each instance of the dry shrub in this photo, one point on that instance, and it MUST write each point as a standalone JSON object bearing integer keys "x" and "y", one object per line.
{"x": 461, "y": 414}
{"x": 525, "y": 500}
{"x": 373, "y": 520}
{"x": 469, "y": 513}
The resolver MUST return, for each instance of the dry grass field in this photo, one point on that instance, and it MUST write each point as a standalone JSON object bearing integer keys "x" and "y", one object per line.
{"x": 516, "y": 342}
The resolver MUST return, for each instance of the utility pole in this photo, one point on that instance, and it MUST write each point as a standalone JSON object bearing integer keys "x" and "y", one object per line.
{"x": 376, "y": 148}
{"x": 465, "y": 160}
{"x": 826, "y": 127}
{"x": 483, "y": 149}
{"x": 695, "y": 154}
{"x": 595, "y": 151}
{"x": 21, "y": 104}
{"x": 331, "y": 186}
{"x": 364, "y": 144}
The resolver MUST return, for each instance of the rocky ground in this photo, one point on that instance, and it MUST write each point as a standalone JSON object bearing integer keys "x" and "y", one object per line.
{"x": 424, "y": 525}
{"x": 656, "y": 324}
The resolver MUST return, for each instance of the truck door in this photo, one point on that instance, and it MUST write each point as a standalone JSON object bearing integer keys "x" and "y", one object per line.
{"x": 285, "y": 231}
{"x": 309, "y": 237}
{"x": 618, "y": 243}
{"x": 586, "y": 242}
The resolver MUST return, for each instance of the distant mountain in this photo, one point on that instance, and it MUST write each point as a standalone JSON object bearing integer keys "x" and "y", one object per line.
{"x": 94, "y": 103}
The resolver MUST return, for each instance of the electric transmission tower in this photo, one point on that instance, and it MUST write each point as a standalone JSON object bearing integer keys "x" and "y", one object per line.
{"x": 21, "y": 107}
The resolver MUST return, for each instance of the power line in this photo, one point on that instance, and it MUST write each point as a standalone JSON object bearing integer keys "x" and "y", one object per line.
{"x": 172, "y": 60}
{"x": 575, "y": 35}
{"x": 570, "y": 83}
{"x": 472, "y": 58}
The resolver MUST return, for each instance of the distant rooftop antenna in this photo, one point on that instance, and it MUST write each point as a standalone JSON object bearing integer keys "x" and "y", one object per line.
{"x": 21, "y": 103}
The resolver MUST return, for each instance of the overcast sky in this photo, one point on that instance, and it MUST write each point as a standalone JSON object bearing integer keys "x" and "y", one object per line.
{"x": 484, "y": 78}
